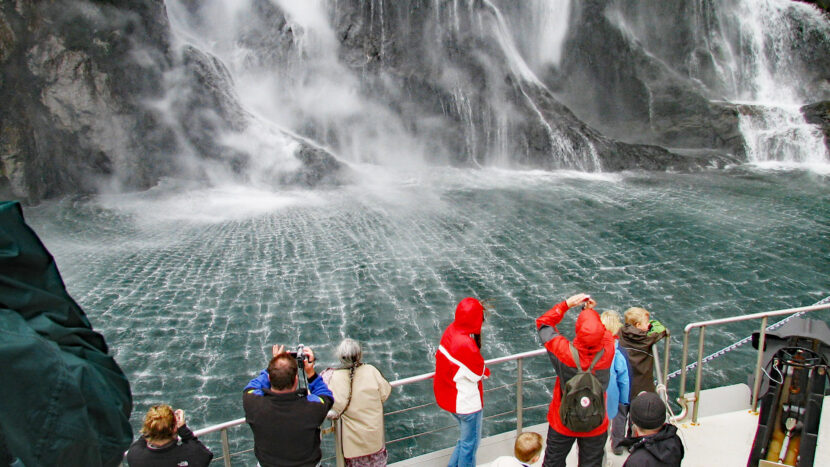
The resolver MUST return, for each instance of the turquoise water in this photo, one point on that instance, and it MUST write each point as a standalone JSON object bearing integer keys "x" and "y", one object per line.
{"x": 191, "y": 286}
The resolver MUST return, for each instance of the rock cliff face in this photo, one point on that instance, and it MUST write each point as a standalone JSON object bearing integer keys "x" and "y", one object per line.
{"x": 71, "y": 74}
{"x": 95, "y": 99}
{"x": 665, "y": 72}
{"x": 101, "y": 95}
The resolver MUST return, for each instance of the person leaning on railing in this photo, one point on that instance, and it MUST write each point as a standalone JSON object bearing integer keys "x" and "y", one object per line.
{"x": 286, "y": 422}
{"x": 459, "y": 370}
{"x": 637, "y": 336}
{"x": 359, "y": 393}
{"x": 159, "y": 444}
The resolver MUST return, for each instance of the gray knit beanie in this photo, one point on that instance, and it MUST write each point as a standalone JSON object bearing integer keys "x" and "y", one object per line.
{"x": 648, "y": 411}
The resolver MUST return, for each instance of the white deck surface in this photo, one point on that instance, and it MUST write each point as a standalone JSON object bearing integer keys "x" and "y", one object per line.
{"x": 723, "y": 436}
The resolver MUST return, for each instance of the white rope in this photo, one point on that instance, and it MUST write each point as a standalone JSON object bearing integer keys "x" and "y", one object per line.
{"x": 743, "y": 341}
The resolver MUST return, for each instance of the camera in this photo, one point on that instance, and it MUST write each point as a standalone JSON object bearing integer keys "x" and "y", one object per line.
{"x": 299, "y": 354}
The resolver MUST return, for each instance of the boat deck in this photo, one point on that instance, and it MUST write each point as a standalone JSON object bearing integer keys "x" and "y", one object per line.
{"x": 723, "y": 435}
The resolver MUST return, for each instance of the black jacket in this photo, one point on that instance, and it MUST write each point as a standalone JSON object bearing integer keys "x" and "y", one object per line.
{"x": 287, "y": 426}
{"x": 662, "y": 449}
{"x": 189, "y": 449}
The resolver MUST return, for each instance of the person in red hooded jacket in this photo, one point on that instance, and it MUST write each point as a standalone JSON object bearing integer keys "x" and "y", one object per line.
{"x": 459, "y": 369}
{"x": 591, "y": 336}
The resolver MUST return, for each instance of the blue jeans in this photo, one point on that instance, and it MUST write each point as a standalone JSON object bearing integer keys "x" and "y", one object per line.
{"x": 464, "y": 454}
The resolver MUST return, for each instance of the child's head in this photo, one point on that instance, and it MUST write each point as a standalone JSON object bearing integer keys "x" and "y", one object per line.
{"x": 528, "y": 447}
{"x": 647, "y": 413}
{"x": 611, "y": 320}
{"x": 637, "y": 317}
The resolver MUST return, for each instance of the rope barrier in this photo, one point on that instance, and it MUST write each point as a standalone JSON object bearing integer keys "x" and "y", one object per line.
{"x": 741, "y": 342}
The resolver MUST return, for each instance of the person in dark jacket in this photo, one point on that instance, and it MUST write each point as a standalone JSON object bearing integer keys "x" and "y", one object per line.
{"x": 286, "y": 422}
{"x": 637, "y": 337}
{"x": 160, "y": 447}
{"x": 591, "y": 337}
{"x": 655, "y": 443}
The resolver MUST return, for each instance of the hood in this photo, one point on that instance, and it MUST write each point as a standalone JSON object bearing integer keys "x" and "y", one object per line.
{"x": 469, "y": 315}
{"x": 664, "y": 445}
{"x": 589, "y": 331}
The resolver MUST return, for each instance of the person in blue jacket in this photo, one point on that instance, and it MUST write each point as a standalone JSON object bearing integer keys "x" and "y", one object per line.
{"x": 286, "y": 420}
{"x": 617, "y": 395}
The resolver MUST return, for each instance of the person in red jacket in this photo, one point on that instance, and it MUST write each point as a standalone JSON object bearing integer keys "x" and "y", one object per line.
{"x": 459, "y": 369}
{"x": 591, "y": 336}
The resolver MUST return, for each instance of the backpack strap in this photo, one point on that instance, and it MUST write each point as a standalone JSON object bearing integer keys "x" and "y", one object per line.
{"x": 596, "y": 359}
{"x": 575, "y": 354}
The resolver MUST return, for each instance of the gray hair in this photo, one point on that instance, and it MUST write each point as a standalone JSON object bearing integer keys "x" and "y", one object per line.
{"x": 349, "y": 352}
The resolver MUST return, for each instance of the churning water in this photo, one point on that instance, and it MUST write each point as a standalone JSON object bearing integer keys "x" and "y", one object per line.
{"x": 192, "y": 286}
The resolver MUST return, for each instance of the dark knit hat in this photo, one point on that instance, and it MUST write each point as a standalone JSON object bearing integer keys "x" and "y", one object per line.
{"x": 648, "y": 411}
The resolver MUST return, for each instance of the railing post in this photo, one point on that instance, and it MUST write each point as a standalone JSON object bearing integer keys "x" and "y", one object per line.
{"x": 699, "y": 375}
{"x": 519, "y": 396}
{"x": 756, "y": 385}
{"x": 681, "y": 397}
{"x": 666, "y": 362}
{"x": 337, "y": 426}
{"x": 226, "y": 447}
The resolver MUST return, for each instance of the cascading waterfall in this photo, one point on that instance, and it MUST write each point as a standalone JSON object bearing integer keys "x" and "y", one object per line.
{"x": 778, "y": 131}
{"x": 751, "y": 52}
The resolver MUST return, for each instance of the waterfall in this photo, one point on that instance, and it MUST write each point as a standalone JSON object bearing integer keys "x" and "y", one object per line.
{"x": 765, "y": 54}
{"x": 461, "y": 80}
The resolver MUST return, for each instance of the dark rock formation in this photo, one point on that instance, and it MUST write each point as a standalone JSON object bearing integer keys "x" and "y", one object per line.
{"x": 95, "y": 97}
{"x": 819, "y": 114}
{"x": 65, "y": 69}
{"x": 629, "y": 94}
{"x": 823, "y": 4}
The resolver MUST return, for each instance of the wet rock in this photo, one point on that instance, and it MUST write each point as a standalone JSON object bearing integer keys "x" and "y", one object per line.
{"x": 819, "y": 114}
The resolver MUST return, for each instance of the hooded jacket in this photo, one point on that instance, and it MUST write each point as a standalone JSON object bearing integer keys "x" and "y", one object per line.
{"x": 591, "y": 336}
{"x": 662, "y": 449}
{"x": 459, "y": 366}
{"x": 637, "y": 344}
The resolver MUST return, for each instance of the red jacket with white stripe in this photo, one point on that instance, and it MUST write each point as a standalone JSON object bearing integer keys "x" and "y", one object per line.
{"x": 459, "y": 366}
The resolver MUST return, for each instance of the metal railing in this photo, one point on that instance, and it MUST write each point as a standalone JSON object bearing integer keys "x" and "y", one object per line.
{"x": 682, "y": 399}
{"x": 661, "y": 377}
{"x": 223, "y": 427}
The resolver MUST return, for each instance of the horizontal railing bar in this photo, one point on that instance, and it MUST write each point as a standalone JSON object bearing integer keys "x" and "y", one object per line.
{"x": 420, "y": 434}
{"x": 492, "y": 361}
{"x": 409, "y": 408}
{"x": 219, "y": 427}
{"x": 735, "y": 319}
{"x": 499, "y": 414}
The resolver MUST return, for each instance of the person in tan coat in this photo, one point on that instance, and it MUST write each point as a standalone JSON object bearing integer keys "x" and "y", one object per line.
{"x": 359, "y": 393}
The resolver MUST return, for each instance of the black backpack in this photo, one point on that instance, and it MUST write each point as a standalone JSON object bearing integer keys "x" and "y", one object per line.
{"x": 583, "y": 406}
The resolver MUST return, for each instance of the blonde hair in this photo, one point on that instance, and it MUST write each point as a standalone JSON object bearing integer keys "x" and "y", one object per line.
{"x": 611, "y": 320}
{"x": 636, "y": 315}
{"x": 528, "y": 445}
{"x": 159, "y": 423}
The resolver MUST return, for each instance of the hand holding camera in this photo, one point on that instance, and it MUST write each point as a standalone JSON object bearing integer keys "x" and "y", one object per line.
{"x": 581, "y": 299}
{"x": 180, "y": 422}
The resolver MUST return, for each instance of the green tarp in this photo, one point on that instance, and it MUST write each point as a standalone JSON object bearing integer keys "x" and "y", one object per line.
{"x": 63, "y": 399}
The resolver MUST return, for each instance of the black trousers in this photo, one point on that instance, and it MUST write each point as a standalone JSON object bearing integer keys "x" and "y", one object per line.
{"x": 591, "y": 450}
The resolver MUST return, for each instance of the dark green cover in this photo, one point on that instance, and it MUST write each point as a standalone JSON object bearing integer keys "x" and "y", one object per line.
{"x": 63, "y": 400}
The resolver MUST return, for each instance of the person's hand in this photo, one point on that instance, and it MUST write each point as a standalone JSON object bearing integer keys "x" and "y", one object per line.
{"x": 486, "y": 373}
{"x": 308, "y": 363}
{"x": 276, "y": 350}
{"x": 179, "y": 413}
{"x": 578, "y": 299}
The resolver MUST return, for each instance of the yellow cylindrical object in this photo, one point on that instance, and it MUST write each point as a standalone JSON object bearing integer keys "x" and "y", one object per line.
{"x": 792, "y": 450}
{"x": 775, "y": 442}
